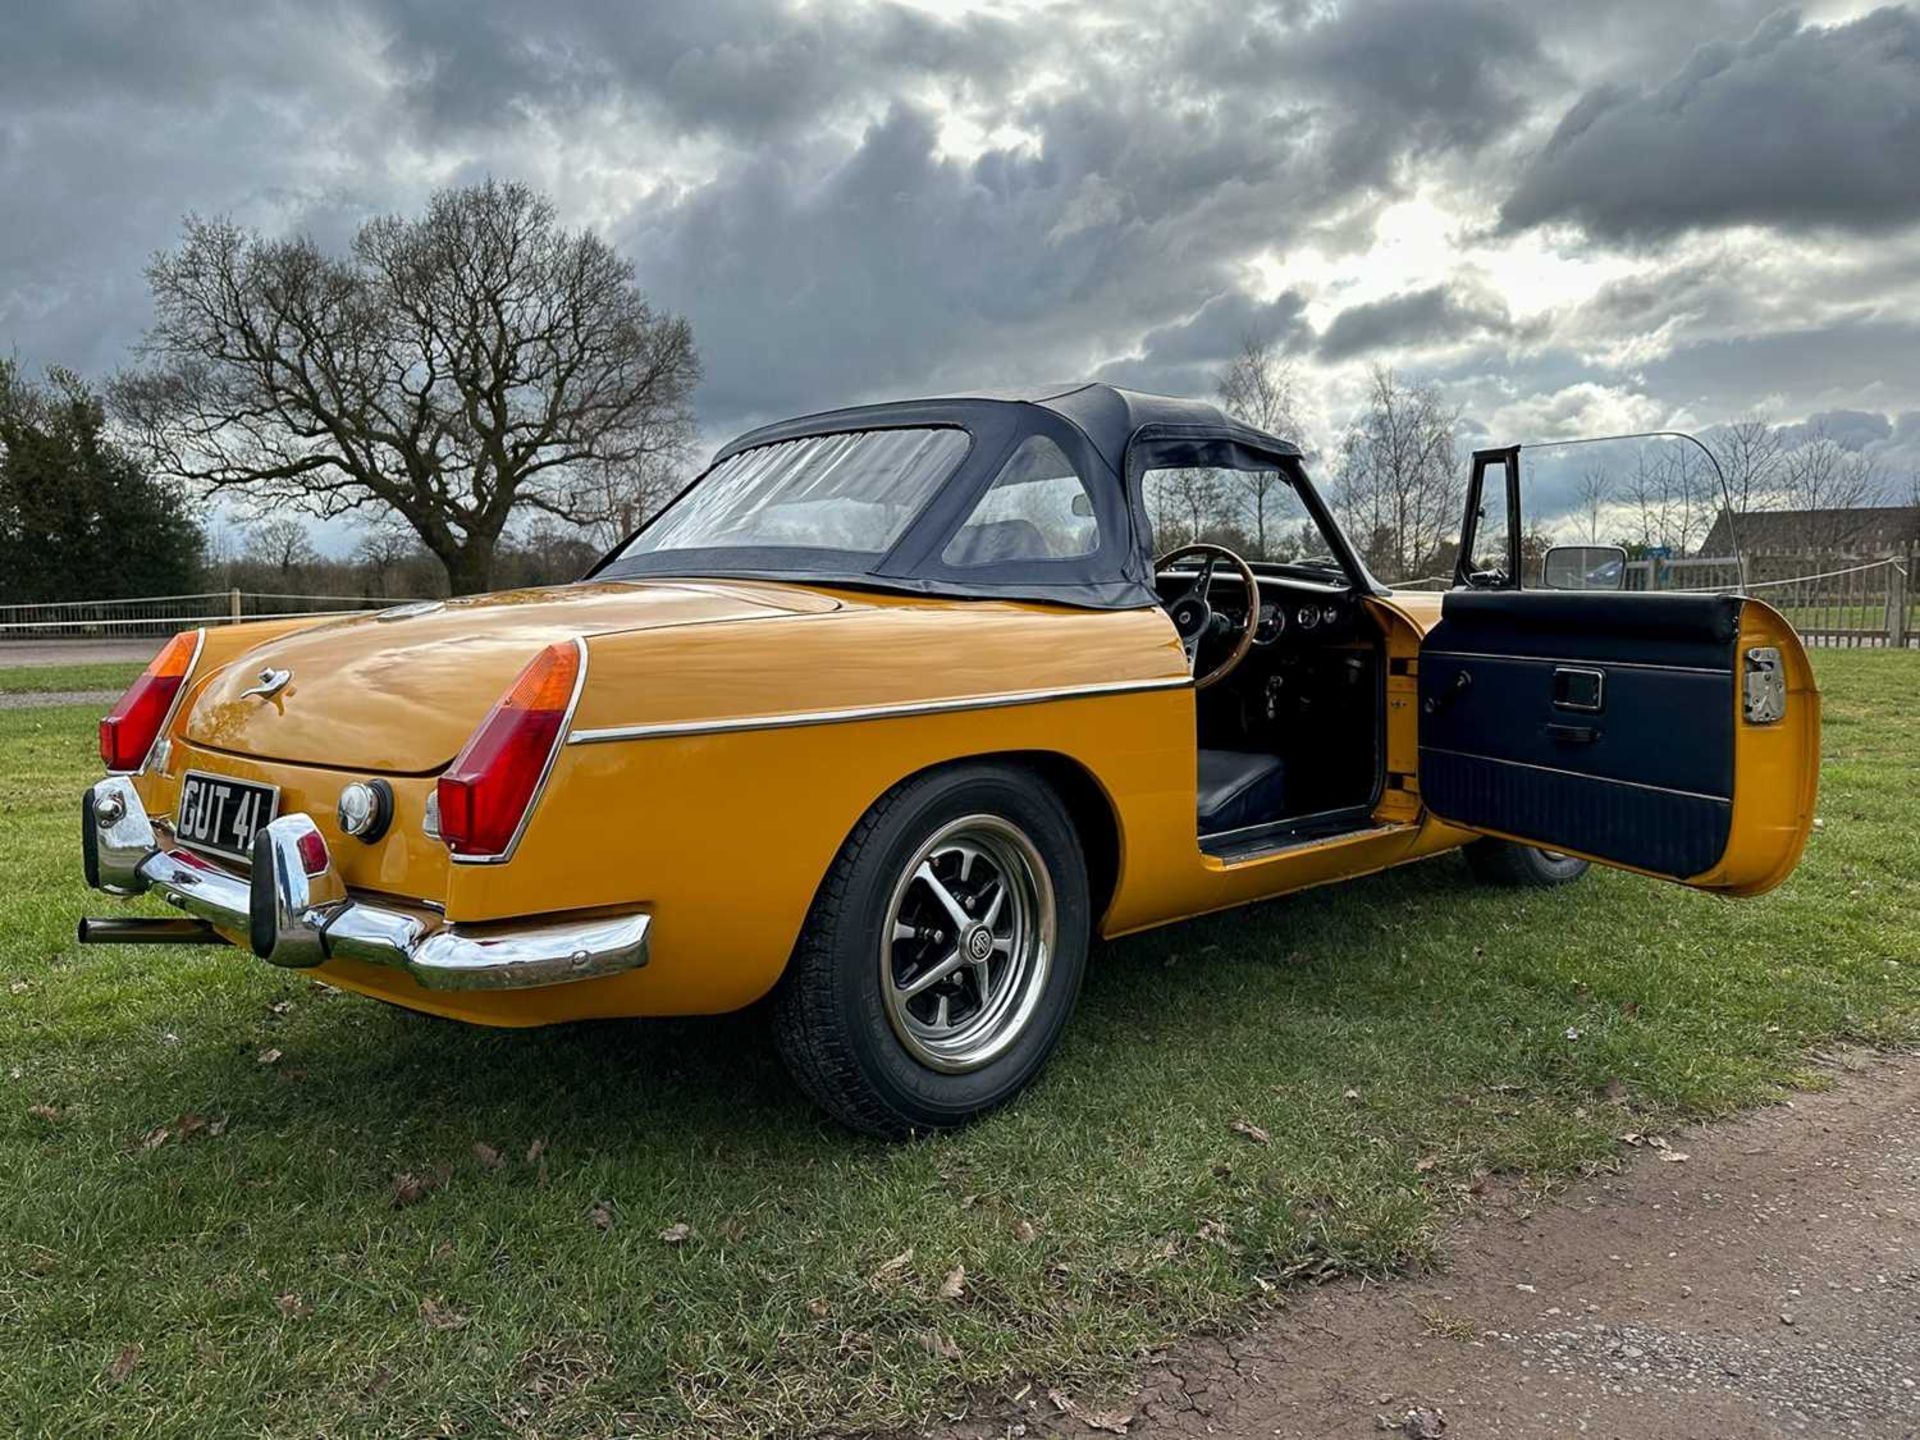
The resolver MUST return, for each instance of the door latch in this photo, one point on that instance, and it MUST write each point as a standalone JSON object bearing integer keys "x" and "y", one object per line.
{"x": 1764, "y": 691}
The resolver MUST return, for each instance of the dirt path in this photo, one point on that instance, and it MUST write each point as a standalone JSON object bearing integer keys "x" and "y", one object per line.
{"x": 1767, "y": 1285}
{"x": 41, "y": 699}
{"x": 74, "y": 652}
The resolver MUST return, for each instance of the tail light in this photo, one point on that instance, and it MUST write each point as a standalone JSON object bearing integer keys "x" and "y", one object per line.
{"x": 131, "y": 727}
{"x": 487, "y": 792}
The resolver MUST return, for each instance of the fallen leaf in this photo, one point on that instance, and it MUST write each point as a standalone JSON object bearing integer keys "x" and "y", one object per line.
{"x": 677, "y": 1233}
{"x": 269, "y": 1056}
{"x": 1252, "y": 1131}
{"x": 440, "y": 1316}
{"x": 1614, "y": 1092}
{"x": 48, "y": 1113}
{"x": 536, "y": 1152}
{"x": 939, "y": 1345}
{"x": 487, "y": 1155}
{"x": 216, "y": 1128}
{"x": 1426, "y": 1163}
{"x": 600, "y": 1215}
{"x": 955, "y": 1284}
{"x": 1212, "y": 1230}
{"x": 1350, "y": 1095}
{"x": 411, "y": 1187}
{"x": 1673, "y": 1157}
{"x": 20, "y": 987}
{"x": 123, "y": 1364}
{"x": 155, "y": 1138}
{"x": 1025, "y": 1232}
{"x": 292, "y": 1306}
{"x": 1633, "y": 1137}
{"x": 820, "y": 1308}
{"x": 1114, "y": 1422}
{"x": 891, "y": 1268}
{"x": 281, "y": 1007}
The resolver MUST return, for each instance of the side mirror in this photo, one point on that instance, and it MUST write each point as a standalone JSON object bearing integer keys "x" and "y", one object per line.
{"x": 1584, "y": 567}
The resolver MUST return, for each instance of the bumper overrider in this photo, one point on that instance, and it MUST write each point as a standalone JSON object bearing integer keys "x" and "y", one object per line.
{"x": 295, "y": 910}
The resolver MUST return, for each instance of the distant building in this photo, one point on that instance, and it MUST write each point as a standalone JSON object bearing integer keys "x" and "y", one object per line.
{"x": 1864, "y": 530}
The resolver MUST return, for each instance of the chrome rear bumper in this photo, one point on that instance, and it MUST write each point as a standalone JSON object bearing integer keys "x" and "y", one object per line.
{"x": 295, "y": 910}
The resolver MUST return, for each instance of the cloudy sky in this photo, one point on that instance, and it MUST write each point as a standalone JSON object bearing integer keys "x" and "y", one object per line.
{"x": 1575, "y": 215}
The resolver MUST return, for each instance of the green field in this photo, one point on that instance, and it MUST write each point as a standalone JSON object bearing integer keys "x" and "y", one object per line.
{"x": 202, "y": 1231}
{"x": 42, "y": 679}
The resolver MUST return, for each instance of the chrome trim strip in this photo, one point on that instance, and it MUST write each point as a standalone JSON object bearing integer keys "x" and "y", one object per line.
{"x": 546, "y": 772}
{"x": 1588, "y": 663}
{"x": 1575, "y": 774}
{"x": 307, "y": 919}
{"x": 797, "y": 718}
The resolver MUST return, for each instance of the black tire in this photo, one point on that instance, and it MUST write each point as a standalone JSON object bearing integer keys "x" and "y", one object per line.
{"x": 837, "y": 1028}
{"x": 1501, "y": 862}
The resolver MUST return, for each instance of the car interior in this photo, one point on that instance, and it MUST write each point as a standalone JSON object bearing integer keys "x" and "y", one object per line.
{"x": 1290, "y": 742}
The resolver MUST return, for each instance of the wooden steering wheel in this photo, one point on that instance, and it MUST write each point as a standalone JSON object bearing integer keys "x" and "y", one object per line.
{"x": 1195, "y": 619}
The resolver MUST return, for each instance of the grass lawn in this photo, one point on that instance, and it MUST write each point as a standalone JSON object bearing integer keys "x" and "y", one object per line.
{"x": 199, "y": 1232}
{"x": 40, "y": 679}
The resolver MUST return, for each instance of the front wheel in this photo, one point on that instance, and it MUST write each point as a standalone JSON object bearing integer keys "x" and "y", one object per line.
{"x": 1501, "y": 862}
{"x": 942, "y": 955}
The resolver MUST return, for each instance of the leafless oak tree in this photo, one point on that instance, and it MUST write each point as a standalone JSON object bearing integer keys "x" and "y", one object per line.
{"x": 459, "y": 369}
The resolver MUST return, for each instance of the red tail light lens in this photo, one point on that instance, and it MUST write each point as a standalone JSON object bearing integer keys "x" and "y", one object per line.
{"x": 131, "y": 727}
{"x": 485, "y": 794}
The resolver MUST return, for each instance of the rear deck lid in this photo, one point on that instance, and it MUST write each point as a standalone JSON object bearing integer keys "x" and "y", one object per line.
{"x": 399, "y": 692}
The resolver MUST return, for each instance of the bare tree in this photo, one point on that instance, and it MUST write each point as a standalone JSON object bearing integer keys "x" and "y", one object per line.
{"x": 281, "y": 545}
{"x": 1822, "y": 476}
{"x": 1400, "y": 486}
{"x": 1184, "y": 504}
{"x": 1259, "y": 388}
{"x": 456, "y": 368}
{"x": 1593, "y": 490}
{"x": 1749, "y": 453}
{"x": 382, "y": 551}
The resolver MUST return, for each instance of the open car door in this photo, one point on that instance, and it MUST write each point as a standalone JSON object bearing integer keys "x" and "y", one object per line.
{"x": 1673, "y": 734}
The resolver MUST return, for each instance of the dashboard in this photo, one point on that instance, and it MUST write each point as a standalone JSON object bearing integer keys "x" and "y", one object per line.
{"x": 1293, "y": 609}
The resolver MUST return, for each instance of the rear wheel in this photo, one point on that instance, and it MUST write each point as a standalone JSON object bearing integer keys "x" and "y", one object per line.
{"x": 942, "y": 955}
{"x": 1501, "y": 862}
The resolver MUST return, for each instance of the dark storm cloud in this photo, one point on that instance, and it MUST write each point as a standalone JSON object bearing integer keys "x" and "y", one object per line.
{"x": 1185, "y": 357}
{"x": 744, "y": 68}
{"x": 857, "y": 199}
{"x": 1797, "y": 126}
{"x": 1438, "y": 314}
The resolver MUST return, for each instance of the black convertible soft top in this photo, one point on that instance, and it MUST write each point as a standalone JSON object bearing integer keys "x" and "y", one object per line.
{"x": 1111, "y": 435}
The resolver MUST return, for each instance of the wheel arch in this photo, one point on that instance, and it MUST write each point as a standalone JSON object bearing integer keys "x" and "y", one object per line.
{"x": 1096, "y": 820}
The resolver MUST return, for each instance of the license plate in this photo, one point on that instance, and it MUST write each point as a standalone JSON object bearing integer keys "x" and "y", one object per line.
{"x": 221, "y": 815}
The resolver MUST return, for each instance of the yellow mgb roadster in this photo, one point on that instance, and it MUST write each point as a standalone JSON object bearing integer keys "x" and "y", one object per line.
{"x": 893, "y": 710}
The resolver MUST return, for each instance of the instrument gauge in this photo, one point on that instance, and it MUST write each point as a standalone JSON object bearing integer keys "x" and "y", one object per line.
{"x": 1308, "y": 617}
{"x": 1273, "y": 623}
